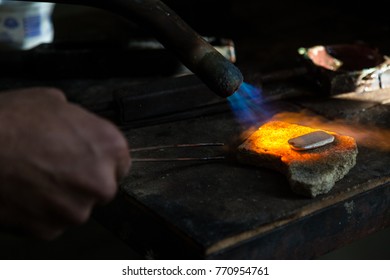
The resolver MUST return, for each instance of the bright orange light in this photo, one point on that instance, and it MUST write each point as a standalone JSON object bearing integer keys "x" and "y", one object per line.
{"x": 271, "y": 140}
{"x": 369, "y": 136}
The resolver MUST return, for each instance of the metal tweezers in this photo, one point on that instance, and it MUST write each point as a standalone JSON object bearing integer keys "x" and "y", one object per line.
{"x": 177, "y": 158}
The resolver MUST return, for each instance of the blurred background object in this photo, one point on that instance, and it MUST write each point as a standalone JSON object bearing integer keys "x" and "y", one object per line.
{"x": 25, "y": 25}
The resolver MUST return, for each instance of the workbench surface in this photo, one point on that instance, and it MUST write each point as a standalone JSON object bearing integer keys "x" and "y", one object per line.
{"x": 223, "y": 209}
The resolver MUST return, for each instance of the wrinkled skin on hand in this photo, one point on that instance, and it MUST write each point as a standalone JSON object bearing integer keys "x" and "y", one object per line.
{"x": 57, "y": 162}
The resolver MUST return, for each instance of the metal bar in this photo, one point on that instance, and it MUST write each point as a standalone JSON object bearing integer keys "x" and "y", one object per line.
{"x": 176, "y": 159}
{"x": 189, "y": 145}
{"x": 176, "y": 146}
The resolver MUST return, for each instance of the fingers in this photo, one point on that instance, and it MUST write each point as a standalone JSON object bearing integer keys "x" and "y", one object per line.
{"x": 113, "y": 147}
{"x": 63, "y": 161}
{"x": 105, "y": 187}
{"x": 51, "y": 92}
{"x": 122, "y": 157}
{"x": 37, "y": 92}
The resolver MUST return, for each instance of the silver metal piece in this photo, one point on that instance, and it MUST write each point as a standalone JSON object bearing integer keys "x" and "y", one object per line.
{"x": 311, "y": 140}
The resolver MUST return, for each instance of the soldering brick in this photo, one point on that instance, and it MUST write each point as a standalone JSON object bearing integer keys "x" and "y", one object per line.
{"x": 310, "y": 172}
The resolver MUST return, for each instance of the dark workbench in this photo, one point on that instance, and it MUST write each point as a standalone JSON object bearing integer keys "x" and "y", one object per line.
{"x": 222, "y": 209}
{"x": 226, "y": 210}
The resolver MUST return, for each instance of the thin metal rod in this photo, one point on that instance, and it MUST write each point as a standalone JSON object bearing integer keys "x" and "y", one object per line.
{"x": 176, "y": 159}
{"x": 190, "y": 145}
{"x": 176, "y": 146}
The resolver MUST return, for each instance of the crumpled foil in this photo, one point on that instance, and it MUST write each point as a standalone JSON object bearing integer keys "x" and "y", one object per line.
{"x": 347, "y": 67}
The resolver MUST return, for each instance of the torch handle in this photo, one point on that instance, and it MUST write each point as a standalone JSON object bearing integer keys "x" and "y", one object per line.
{"x": 218, "y": 73}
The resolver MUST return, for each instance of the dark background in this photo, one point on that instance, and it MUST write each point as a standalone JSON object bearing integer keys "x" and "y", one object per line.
{"x": 267, "y": 35}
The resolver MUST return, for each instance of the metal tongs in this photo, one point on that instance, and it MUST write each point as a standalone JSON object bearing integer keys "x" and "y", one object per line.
{"x": 162, "y": 147}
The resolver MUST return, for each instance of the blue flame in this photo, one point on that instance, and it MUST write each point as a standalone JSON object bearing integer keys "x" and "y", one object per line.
{"x": 247, "y": 105}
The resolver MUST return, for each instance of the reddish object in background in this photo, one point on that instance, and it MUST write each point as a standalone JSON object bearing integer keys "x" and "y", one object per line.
{"x": 343, "y": 68}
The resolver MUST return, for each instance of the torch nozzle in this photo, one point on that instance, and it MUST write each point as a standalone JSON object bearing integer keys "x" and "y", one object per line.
{"x": 219, "y": 74}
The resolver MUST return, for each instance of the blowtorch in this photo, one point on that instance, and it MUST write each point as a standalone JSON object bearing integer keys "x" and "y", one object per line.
{"x": 217, "y": 72}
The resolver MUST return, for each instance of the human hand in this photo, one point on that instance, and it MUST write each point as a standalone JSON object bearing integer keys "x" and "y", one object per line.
{"x": 57, "y": 161}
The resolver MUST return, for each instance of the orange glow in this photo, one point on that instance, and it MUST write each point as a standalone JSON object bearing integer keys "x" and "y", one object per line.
{"x": 271, "y": 140}
{"x": 368, "y": 136}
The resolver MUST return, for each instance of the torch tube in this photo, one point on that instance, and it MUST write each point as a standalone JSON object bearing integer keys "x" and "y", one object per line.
{"x": 218, "y": 73}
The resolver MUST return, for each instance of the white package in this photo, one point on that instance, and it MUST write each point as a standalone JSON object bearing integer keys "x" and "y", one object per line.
{"x": 25, "y": 25}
